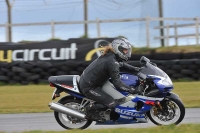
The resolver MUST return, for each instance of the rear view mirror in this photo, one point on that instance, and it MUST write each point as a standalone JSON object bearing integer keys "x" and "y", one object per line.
{"x": 144, "y": 60}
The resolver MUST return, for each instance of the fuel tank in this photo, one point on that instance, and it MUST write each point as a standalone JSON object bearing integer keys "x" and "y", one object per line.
{"x": 129, "y": 79}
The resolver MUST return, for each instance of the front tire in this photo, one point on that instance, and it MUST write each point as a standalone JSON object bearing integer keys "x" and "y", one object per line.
{"x": 69, "y": 122}
{"x": 174, "y": 114}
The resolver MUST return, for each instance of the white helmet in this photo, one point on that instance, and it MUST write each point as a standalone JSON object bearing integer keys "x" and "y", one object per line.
{"x": 122, "y": 48}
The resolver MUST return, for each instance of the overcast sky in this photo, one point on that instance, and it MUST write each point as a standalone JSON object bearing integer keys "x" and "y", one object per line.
{"x": 25, "y": 11}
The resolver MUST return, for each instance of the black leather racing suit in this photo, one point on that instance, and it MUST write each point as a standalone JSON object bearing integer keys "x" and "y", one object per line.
{"x": 99, "y": 71}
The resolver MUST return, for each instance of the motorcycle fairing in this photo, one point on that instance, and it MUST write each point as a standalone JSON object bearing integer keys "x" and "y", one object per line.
{"x": 145, "y": 98}
{"x": 131, "y": 105}
{"x": 130, "y": 114}
{"x": 163, "y": 88}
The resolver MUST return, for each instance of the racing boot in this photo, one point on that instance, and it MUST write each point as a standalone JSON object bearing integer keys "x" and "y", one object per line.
{"x": 92, "y": 111}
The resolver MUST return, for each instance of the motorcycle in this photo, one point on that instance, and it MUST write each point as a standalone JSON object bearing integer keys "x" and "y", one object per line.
{"x": 156, "y": 102}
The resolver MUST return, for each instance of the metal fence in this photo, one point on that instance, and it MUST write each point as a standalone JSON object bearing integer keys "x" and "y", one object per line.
{"x": 147, "y": 20}
{"x": 176, "y": 36}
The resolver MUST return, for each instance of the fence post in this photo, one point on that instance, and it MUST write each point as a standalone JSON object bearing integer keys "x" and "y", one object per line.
{"x": 147, "y": 31}
{"x": 197, "y": 30}
{"x": 98, "y": 28}
{"x": 167, "y": 36}
{"x": 176, "y": 33}
{"x": 7, "y": 32}
{"x": 52, "y": 29}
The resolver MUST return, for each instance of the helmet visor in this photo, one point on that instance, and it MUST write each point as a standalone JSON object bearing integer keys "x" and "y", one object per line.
{"x": 127, "y": 50}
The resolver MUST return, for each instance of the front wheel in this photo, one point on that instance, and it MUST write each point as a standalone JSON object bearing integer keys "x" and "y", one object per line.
{"x": 171, "y": 112}
{"x": 69, "y": 122}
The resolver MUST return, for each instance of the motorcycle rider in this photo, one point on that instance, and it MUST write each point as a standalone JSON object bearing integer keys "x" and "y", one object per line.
{"x": 100, "y": 70}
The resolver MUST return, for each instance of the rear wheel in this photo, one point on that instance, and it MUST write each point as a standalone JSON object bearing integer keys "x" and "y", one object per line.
{"x": 172, "y": 112}
{"x": 69, "y": 122}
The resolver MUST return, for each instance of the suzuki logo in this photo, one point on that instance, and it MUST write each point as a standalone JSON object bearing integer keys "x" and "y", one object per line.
{"x": 129, "y": 113}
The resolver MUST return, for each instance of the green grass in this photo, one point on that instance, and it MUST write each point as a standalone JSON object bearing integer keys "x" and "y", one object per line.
{"x": 35, "y": 98}
{"x": 20, "y": 99}
{"x": 189, "y": 93}
{"x": 185, "y": 128}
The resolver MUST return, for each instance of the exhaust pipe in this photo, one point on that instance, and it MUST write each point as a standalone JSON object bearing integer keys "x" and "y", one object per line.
{"x": 65, "y": 110}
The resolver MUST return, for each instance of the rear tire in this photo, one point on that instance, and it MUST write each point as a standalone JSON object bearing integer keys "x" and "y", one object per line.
{"x": 176, "y": 121}
{"x": 62, "y": 118}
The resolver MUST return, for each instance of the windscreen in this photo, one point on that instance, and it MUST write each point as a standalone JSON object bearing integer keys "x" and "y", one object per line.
{"x": 150, "y": 69}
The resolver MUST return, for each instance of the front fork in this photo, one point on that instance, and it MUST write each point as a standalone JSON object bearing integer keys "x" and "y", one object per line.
{"x": 157, "y": 107}
{"x": 161, "y": 107}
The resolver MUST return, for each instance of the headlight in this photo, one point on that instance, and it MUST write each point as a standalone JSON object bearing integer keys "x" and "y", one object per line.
{"x": 167, "y": 81}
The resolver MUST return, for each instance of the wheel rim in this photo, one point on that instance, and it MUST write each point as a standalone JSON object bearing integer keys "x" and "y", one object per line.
{"x": 171, "y": 117}
{"x": 69, "y": 121}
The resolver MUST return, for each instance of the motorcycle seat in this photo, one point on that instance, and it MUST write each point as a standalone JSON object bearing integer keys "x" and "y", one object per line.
{"x": 62, "y": 80}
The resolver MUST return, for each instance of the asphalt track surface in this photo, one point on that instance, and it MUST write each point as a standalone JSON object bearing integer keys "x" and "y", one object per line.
{"x": 46, "y": 121}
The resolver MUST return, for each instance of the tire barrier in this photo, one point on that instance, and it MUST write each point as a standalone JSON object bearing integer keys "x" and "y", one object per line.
{"x": 38, "y": 72}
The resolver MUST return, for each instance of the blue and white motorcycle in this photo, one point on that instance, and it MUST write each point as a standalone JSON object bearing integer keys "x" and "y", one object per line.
{"x": 156, "y": 102}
